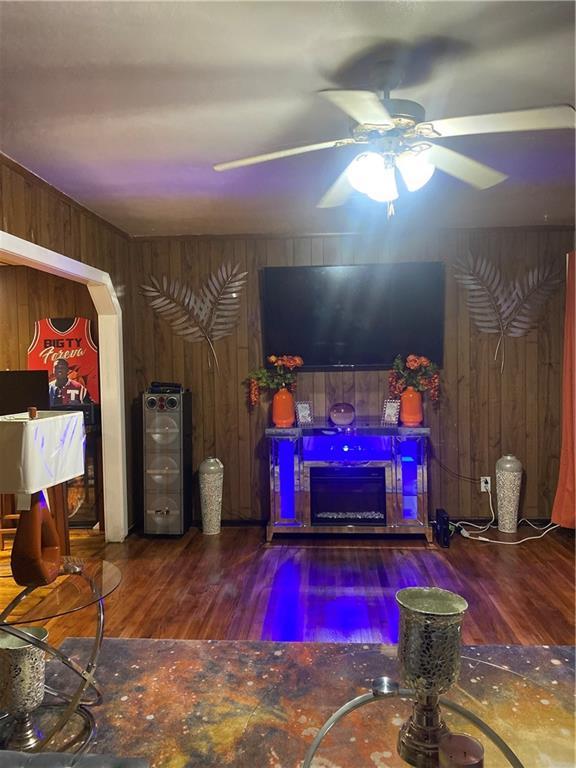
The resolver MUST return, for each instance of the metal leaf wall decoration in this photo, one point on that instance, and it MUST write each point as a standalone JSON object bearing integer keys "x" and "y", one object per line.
{"x": 211, "y": 314}
{"x": 503, "y": 308}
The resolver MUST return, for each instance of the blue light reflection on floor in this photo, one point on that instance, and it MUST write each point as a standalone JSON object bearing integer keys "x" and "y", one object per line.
{"x": 304, "y": 603}
{"x": 345, "y": 619}
{"x": 284, "y": 619}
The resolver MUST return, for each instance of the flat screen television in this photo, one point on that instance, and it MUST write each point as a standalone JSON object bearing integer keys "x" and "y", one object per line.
{"x": 353, "y": 317}
{"x": 21, "y": 389}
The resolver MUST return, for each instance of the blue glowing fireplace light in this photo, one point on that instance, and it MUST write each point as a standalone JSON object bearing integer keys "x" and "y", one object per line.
{"x": 286, "y": 473}
{"x": 350, "y": 449}
{"x": 409, "y": 456}
{"x": 341, "y": 446}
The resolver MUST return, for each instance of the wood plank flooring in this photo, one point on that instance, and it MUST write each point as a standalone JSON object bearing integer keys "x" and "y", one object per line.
{"x": 237, "y": 587}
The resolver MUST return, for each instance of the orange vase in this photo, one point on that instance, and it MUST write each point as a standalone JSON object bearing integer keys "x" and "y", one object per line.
{"x": 283, "y": 413}
{"x": 411, "y": 407}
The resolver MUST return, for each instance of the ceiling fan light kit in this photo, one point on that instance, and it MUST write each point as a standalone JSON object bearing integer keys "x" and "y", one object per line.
{"x": 372, "y": 174}
{"x": 416, "y": 169}
{"x": 397, "y": 137}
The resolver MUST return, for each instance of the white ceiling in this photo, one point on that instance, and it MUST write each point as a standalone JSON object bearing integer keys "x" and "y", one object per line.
{"x": 125, "y": 106}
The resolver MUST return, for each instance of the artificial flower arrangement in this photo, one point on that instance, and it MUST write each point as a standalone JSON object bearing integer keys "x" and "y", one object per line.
{"x": 417, "y": 372}
{"x": 282, "y": 374}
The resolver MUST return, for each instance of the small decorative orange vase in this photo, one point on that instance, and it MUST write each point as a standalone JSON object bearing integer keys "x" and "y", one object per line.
{"x": 283, "y": 413}
{"x": 411, "y": 407}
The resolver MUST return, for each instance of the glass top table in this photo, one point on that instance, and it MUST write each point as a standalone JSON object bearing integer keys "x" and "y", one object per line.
{"x": 84, "y": 583}
{"x": 66, "y": 724}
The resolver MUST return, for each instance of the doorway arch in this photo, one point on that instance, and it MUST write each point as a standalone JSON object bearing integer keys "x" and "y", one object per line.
{"x": 18, "y": 252}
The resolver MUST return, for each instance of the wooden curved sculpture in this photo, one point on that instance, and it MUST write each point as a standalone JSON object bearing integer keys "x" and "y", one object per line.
{"x": 35, "y": 558}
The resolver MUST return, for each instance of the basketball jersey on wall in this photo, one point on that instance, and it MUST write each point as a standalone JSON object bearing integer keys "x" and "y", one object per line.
{"x": 64, "y": 347}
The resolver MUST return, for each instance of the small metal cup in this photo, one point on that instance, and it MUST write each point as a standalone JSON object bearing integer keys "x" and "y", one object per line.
{"x": 22, "y": 672}
{"x": 429, "y": 656}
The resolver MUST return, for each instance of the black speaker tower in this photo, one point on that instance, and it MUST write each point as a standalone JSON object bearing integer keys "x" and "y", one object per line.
{"x": 167, "y": 461}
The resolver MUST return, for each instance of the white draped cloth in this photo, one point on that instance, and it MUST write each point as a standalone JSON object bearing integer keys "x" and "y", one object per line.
{"x": 41, "y": 452}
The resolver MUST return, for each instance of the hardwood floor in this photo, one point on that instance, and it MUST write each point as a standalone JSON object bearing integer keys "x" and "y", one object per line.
{"x": 237, "y": 587}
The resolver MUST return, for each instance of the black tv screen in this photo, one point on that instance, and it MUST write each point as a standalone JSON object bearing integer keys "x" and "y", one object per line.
{"x": 19, "y": 390}
{"x": 357, "y": 317}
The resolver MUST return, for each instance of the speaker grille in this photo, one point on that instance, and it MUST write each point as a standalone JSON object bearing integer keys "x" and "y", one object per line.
{"x": 163, "y": 464}
{"x": 163, "y": 514}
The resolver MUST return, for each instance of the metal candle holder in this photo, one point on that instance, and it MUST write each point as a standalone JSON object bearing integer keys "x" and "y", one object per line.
{"x": 22, "y": 670}
{"x": 429, "y": 656}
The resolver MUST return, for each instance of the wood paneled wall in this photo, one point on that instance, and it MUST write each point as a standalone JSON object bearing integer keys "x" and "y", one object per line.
{"x": 481, "y": 414}
{"x": 27, "y": 295}
{"x": 32, "y": 209}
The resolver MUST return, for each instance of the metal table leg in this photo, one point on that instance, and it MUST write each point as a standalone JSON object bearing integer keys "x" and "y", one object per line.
{"x": 75, "y": 704}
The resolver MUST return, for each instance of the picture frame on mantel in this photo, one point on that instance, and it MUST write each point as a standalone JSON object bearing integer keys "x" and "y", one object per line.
{"x": 390, "y": 413}
{"x": 304, "y": 412}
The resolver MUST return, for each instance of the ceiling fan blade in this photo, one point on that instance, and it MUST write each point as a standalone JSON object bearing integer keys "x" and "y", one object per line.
{"x": 362, "y": 106}
{"x": 338, "y": 193}
{"x": 282, "y": 153}
{"x": 544, "y": 119}
{"x": 464, "y": 168}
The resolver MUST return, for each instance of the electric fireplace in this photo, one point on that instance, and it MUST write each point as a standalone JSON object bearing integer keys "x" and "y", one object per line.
{"x": 347, "y": 495}
{"x": 362, "y": 479}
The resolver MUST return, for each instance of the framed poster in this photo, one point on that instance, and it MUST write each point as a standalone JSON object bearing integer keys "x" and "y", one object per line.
{"x": 64, "y": 347}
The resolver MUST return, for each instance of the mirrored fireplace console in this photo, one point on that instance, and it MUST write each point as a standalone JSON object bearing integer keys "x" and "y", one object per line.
{"x": 360, "y": 479}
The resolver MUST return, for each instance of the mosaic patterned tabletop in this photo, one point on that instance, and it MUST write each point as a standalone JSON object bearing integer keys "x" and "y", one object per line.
{"x": 216, "y": 704}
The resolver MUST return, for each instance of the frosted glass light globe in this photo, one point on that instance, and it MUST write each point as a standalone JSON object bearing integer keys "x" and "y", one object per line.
{"x": 416, "y": 170}
{"x": 364, "y": 169}
{"x": 383, "y": 188}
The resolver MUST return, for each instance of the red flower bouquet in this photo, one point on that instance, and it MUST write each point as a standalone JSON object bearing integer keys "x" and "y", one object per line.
{"x": 282, "y": 374}
{"x": 417, "y": 372}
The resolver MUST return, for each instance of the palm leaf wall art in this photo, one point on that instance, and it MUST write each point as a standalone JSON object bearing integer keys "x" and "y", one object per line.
{"x": 209, "y": 315}
{"x": 503, "y": 308}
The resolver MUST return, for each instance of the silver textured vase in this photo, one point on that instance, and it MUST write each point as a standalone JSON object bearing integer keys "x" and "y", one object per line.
{"x": 211, "y": 473}
{"x": 429, "y": 657}
{"x": 508, "y": 482}
{"x": 22, "y": 670}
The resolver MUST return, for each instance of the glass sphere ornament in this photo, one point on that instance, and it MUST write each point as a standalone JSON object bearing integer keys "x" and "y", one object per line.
{"x": 342, "y": 414}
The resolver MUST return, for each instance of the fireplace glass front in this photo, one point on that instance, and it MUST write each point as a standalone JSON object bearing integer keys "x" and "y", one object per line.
{"x": 348, "y": 495}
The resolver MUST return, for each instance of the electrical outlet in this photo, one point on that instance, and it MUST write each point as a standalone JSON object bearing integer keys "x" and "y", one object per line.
{"x": 485, "y": 486}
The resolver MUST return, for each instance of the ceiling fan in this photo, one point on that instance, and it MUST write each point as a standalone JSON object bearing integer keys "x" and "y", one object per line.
{"x": 394, "y": 136}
